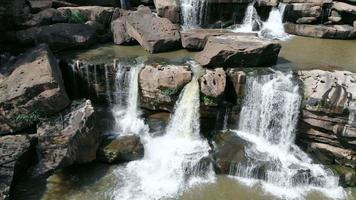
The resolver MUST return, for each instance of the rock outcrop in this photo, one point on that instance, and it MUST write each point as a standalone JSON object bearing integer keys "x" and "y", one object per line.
{"x": 16, "y": 153}
{"x": 196, "y": 39}
{"x": 120, "y": 150}
{"x": 30, "y": 89}
{"x": 327, "y": 128}
{"x": 321, "y": 31}
{"x": 154, "y": 34}
{"x": 58, "y": 36}
{"x": 238, "y": 51}
{"x": 69, "y": 138}
{"x": 212, "y": 86}
{"x": 160, "y": 85}
{"x": 83, "y": 14}
{"x": 169, "y": 9}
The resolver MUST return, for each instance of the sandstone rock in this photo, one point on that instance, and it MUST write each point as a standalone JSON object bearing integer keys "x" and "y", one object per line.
{"x": 32, "y": 87}
{"x": 319, "y": 2}
{"x": 196, "y": 39}
{"x": 238, "y": 51}
{"x": 45, "y": 17}
{"x": 306, "y": 20}
{"x": 99, "y": 14}
{"x": 303, "y": 10}
{"x": 169, "y": 9}
{"x": 69, "y": 138}
{"x": 237, "y": 78}
{"x": 160, "y": 85}
{"x": 38, "y": 5}
{"x": 321, "y": 31}
{"x": 120, "y": 150}
{"x": 344, "y": 7}
{"x": 354, "y": 24}
{"x": 118, "y": 28}
{"x": 335, "y": 17}
{"x": 154, "y": 34}
{"x": 58, "y": 36}
{"x": 16, "y": 152}
{"x": 213, "y": 83}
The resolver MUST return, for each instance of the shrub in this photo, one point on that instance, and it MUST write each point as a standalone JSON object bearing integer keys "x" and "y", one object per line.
{"x": 77, "y": 17}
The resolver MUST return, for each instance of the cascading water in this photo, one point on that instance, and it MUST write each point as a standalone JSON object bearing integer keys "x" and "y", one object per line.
{"x": 172, "y": 161}
{"x": 125, "y": 110}
{"x": 268, "y": 120}
{"x": 193, "y": 13}
{"x": 273, "y": 28}
{"x": 251, "y": 21}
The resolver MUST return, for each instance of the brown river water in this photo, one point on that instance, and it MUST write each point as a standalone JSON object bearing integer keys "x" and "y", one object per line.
{"x": 97, "y": 181}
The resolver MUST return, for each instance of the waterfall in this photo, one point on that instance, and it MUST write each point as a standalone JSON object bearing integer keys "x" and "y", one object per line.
{"x": 273, "y": 28}
{"x": 107, "y": 85}
{"x": 172, "y": 162}
{"x": 251, "y": 21}
{"x": 193, "y": 13}
{"x": 125, "y": 110}
{"x": 268, "y": 120}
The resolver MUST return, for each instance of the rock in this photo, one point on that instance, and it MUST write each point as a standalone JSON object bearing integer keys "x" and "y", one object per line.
{"x": 229, "y": 150}
{"x": 83, "y": 14}
{"x": 32, "y": 87}
{"x": 160, "y": 85}
{"x": 58, "y": 36}
{"x": 120, "y": 150}
{"x": 354, "y": 24}
{"x": 169, "y": 9}
{"x": 306, "y": 20}
{"x": 319, "y": 2}
{"x": 213, "y": 82}
{"x": 46, "y": 17}
{"x": 296, "y": 11}
{"x": 196, "y": 39}
{"x": 16, "y": 153}
{"x": 335, "y": 17}
{"x": 321, "y": 31}
{"x": 69, "y": 138}
{"x": 154, "y": 34}
{"x": 347, "y": 176}
{"x": 118, "y": 28}
{"x": 344, "y": 7}
{"x": 330, "y": 92}
{"x": 237, "y": 79}
{"x": 38, "y": 5}
{"x": 238, "y": 51}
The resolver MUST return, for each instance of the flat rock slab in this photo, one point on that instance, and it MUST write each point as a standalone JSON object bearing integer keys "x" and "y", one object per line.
{"x": 98, "y": 14}
{"x": 196, "y": 39}
{"x": 154, "y": 34}
{"x": 238, "y": 51}
{"x": 15, "y": 155}
{"x": 321, "y": 31}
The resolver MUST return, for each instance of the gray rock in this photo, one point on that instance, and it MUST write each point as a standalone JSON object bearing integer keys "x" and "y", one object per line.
{"x": 31, "y": 88}
{"x": 307, "y": 20}
{"x": 169, "y": 9}
{"x": 38, "y": 5}
{"x": 160, "y": 85}
{"x": 238, "y": 51}
{"x": 16, "y": 152}
{"x": 321, "y": 31}
{"x": 70, "y": 137}
{"x": 154, "y": 34}
{"x": 120, "y": 150}
{"x": 45, "y": 17}
{"x": 213, "y": 82}
{"x": 58, "y": 36}
{"x": 196, "y": 39}
{"x": 98, "y": 14}
{"x": 344, "y": 7}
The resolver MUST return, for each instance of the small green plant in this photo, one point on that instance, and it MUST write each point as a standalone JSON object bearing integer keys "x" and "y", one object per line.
{"x": 77, "y": 17}
{"x": 29, "y": 118}
{"x": 169, "y": 91}
{"x": 209, "y": 101}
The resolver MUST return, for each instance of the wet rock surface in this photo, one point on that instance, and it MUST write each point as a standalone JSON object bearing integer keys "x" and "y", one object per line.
{"x": 321, "y": 31}
{"x": 238, "y": 51}
{"x": 30, "y": 89}
{"x": 121, "y": 149}
{"x": 69, "y": 138}
{"x": 169, "y": 9}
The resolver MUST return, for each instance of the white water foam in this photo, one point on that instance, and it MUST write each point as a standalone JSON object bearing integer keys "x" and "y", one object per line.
{"x": 193, "y": 13}
{"x": 268, "y": 120}
{"x": 273, "y": 28}
{"x": 250, "y": 21}
{"x": 172, "y": 162}
{"x": 126, "y": 111}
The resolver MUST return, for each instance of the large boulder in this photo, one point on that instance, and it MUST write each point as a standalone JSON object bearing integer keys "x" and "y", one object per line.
{"x": 120, "y": 150}
{"x": 238, "y": 51}
{"x": 321, "y": 31}
{"x": 160, "y": 85}
{"x": 58, "y": 36}
{"x": 327, "y": 128}
{"x": 169, "y": 9}
{"x": 301, "y": 11}
{"x": 16, "y": 153}
{"x": 83, "y": 14}
{"x": 212, "y": 86}
{"x": 344, "y": 7}
{"x": 38, "y": 5}
{"x": 70, "y": 137}
{"x": 195, "y": 39}
{"x": 45, "y": 17}
{"x": 154, "y": 34}
{"x": 30, "y": 89}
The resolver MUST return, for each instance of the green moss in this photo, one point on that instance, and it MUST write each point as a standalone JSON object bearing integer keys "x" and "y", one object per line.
{"x": 169, "y": 91}
{"x": 77, "y": 17}
{"x": 209, "y": 101}
{"x": 29, "y": 118}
